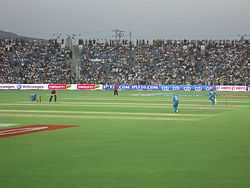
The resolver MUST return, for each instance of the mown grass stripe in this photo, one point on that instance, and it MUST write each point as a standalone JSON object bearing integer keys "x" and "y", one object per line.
{"x": 123, "y": 105}
{"x": 151, "y": 100}
{"x": 7, "y": 124}
{"x": 108, "y": 113}
{"x": 144, "y": 104}
{"x": 64, "y": 116}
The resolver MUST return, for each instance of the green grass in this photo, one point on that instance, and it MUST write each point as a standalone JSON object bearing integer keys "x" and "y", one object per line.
{"x": 126, "y": 141}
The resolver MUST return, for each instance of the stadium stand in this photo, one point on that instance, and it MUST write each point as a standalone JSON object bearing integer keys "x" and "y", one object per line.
{"x": 152, "y": 62}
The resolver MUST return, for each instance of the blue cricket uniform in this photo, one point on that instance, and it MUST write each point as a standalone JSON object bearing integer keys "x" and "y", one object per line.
{"x": 212, "y": 97}
{"x": 175, "y": 103}
{"x": 33, "y": 97}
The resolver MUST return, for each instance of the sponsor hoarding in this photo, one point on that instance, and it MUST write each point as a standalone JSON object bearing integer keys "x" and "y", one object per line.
{"x": 24, "y": 86}
{"x": 185, "y": 87}
{"x": 32, "y": 86}
{"x": 162, "y": 87}
{"x": 86, "y": 86}
{"x": 133, "y": 87}
{"x": 231, "y": 88}
{"x": 8, "y": 86}
{"x": 58, "y": 86}
{"x": 179, "y": 87}
{"x": 122, "y": 86}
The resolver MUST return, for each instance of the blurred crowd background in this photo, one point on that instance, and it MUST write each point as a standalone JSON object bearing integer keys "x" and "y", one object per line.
{"x": 222, "y": 62}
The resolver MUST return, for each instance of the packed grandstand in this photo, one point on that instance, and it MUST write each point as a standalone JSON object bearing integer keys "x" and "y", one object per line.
{"x": 205, "y": 62}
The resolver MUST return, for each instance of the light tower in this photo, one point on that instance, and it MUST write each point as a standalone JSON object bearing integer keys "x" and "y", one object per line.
{"x": 119, "y": 34}
{"x": 75, "y": 66}
{"x": 131, "y": 57}
{"x": 74, "y": 58}
{"x": 243, "y": 37}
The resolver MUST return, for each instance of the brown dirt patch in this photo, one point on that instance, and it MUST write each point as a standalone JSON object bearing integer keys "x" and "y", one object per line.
{"x": 30, "y": 129}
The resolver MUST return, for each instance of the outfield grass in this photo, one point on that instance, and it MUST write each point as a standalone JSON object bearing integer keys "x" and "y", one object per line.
{"x": 126, "y": 141}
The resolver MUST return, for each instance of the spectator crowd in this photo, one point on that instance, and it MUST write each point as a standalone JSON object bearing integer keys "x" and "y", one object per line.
{"x": 222, "y": 62}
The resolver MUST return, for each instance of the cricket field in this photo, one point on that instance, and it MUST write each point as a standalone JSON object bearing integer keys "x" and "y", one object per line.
{"x": 133, "y": 140}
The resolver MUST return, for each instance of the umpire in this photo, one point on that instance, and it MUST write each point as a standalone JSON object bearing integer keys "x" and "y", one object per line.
{"x": 52, "y": 95}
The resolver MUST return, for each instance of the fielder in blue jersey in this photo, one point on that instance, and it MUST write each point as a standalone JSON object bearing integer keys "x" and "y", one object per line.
{"x": 212, "y": 97}
{"x": 36, "y": 98}
{"x": 175, "y": 101}
{"x": 33, "y": 97}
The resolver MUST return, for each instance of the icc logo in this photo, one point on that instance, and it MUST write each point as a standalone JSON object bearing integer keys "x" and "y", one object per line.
{"x": 19, "y": 86}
